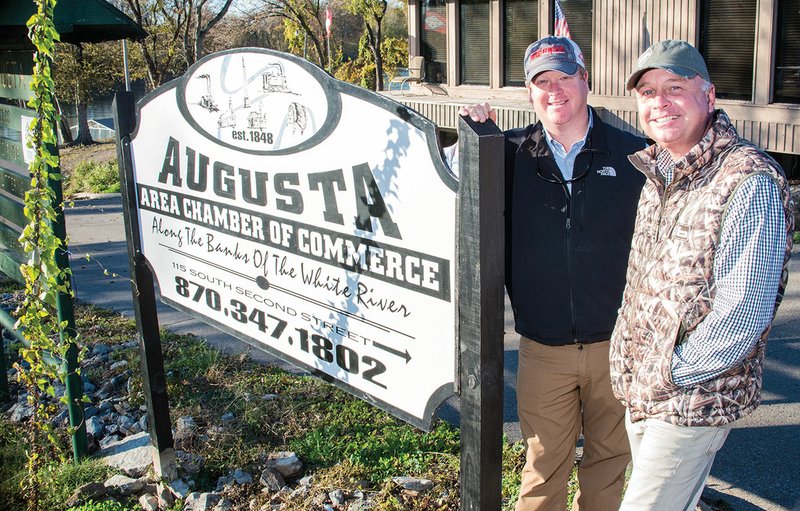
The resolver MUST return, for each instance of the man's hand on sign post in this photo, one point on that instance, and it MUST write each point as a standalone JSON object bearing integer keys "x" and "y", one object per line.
{"x": 479, "y": 112}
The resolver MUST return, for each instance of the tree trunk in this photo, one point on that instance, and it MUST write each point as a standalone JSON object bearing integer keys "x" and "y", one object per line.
{"x": 84, "y": 135}
{"x": 63, "y": 125}
{"x": 66, "y": 133}
{"x": 201, "y": 30}
{"x": 378, "y": 58}
{"x": 374, "y": 43}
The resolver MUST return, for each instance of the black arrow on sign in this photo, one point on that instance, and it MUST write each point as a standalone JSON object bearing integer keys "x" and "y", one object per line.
{"x": 392, "y": 351}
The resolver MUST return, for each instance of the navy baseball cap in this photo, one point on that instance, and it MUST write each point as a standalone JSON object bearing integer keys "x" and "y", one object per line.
{"x": 553, "y": 53}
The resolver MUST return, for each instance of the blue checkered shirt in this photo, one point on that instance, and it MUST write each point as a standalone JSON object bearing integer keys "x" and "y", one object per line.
{"x": 747, "y": 269}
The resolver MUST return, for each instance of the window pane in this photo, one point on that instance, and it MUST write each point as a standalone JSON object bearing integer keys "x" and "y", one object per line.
{"x": 727, "y": 41}
{"x": 474, "y": 44}
{"x": 434, "y": 39}
{"x": 579, "y": 18}
{"x": 787, "y": 53}
{"x": 520, "y": 28}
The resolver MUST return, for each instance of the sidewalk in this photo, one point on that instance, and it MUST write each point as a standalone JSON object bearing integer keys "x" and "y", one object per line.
{"x": 757, "y": 468}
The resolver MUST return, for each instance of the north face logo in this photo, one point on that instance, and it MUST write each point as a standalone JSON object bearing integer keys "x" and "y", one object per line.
{"x": 607, "y": 171}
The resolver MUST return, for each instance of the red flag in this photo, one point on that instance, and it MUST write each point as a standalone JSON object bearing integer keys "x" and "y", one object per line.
{"x": 561, "y": 28}
{"x": 328, "y": 21}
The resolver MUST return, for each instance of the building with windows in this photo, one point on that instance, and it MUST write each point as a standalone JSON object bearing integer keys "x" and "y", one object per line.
{"x": 473, "y": 51}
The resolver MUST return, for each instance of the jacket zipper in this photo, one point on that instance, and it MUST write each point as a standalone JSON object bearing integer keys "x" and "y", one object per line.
{"x": 572, "y": 315}
{"x": 661, "y": 210}
{"x": 568, "y": 240}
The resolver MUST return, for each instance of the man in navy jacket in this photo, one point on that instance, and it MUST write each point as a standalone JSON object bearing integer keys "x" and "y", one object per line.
{"x": 570, "y": 209}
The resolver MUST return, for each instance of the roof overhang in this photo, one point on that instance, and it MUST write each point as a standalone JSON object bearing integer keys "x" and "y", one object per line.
{"x": 77, "y": 21}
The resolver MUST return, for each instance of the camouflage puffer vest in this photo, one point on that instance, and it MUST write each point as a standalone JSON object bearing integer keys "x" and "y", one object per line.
{"x": 670, "y": 282}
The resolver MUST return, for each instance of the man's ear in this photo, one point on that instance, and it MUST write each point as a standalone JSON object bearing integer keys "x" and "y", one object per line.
{"x": 712, "y": 99}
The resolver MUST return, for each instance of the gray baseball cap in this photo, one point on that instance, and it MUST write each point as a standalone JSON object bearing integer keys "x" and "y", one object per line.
{"x": 553, "y": 54}
{"x": 677, "y": 57}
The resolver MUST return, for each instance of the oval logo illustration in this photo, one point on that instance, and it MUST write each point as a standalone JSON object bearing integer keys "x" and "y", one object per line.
{"x": 259, "y": 102}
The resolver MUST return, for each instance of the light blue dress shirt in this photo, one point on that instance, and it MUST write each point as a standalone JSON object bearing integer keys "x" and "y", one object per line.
{"x": 566, "y": 159}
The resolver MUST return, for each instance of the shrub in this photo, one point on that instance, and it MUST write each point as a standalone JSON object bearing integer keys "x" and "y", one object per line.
{"x": 93, "y": 177}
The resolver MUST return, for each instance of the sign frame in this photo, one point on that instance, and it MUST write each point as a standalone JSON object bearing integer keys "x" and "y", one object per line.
{"x": 336, "y": 92}
{"x": 478, "y": 296}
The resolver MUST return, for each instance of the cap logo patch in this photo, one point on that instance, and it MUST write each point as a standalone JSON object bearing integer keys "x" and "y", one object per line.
{"x": 547, "y": 50}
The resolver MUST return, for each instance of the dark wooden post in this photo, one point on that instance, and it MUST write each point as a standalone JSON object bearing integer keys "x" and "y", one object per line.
{"x": 144, "y": 299}
{"x": 480, "y": 240}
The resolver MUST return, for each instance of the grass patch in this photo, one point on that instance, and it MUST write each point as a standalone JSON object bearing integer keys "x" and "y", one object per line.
{"x": 57, "y": 479}
{"x": 61, "y": 479}
{"x": 513, "y": 461}
{"x": 92, "y": 177}
{"x": 106, "y": 505}
{"x": 12, "y": 464}
{"x": 245, "y": 410}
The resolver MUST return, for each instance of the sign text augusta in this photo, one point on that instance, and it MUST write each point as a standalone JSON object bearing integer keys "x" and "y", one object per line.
{"x": 306, "y": 216}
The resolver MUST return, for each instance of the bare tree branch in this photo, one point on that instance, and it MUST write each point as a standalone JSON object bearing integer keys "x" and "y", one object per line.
{"x": 177, "y": 31}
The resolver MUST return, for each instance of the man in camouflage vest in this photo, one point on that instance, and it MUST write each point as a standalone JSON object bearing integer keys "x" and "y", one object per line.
{"x": 707, "y": 269}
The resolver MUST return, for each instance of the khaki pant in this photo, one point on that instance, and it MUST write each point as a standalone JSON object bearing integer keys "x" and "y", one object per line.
{"x": 670, "y": 464}
{"x": 561, "y": 391}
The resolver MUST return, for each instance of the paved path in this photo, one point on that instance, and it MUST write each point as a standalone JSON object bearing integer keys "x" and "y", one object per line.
{"x": 759, "y": 467}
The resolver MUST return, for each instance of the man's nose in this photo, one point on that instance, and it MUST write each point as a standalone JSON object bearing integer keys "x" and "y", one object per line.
{"x": 660, "y": 99}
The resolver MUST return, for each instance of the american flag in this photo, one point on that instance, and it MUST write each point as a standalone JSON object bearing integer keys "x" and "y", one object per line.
{"x": 329, "y": 21}
{"x": 561, "y": 28}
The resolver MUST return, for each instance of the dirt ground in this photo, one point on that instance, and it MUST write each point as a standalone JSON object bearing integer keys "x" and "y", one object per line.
{"x": 99, "y": 153}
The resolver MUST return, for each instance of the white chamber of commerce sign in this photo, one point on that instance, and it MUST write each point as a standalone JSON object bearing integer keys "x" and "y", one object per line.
{"x": 306, "y": 216}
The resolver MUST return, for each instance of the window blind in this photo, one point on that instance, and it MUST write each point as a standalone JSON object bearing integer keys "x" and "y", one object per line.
{"x": 520, "y": 28}
{"x": 727, "y": 42}
{"x": 787, "y": 53}
{"x": 474, "y": 44}
{"x": 433, "y": 15}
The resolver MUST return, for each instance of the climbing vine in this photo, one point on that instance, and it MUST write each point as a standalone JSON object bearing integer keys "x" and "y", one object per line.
{"x": 41, "y": 361}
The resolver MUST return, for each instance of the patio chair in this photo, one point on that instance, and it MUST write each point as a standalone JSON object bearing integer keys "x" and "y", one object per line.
{"x": 416, "y": 73}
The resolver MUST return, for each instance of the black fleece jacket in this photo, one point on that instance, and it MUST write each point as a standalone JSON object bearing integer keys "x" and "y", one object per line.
{"x": 567, "y": 252}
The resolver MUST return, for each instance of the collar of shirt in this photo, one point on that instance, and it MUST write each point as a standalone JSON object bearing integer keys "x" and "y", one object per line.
{"x": 566, "y": 159}
{"x": 666, "y": 165}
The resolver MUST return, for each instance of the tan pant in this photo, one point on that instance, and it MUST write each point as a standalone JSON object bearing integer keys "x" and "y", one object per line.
{"x": 561, "y": 391}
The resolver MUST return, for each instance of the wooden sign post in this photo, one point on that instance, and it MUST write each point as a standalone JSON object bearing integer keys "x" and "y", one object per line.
{"x": 480, "y": 312}
{"x": 154, "y": 381}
